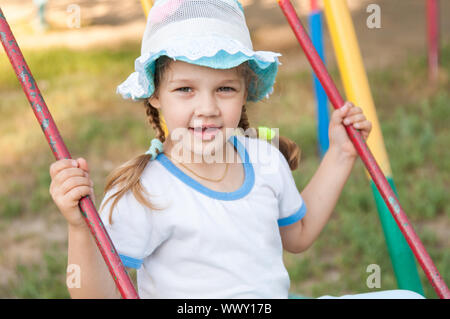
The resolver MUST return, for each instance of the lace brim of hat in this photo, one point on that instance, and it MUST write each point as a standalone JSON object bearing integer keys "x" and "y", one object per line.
{"x": 211, "y": 51}
{"x": 211, "y": 33}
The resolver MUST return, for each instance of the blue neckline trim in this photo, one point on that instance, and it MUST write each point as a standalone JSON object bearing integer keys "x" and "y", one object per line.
{"x": 245, "y": 188}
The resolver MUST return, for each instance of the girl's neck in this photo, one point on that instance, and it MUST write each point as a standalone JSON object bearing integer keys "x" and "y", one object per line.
{"x": 206, "y": 165}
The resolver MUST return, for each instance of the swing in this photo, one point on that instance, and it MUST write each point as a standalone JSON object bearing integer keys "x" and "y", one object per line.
{"x": 103, "y": 241}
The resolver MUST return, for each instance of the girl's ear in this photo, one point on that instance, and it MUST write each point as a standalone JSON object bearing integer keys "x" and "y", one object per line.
{"x": 154, "y": 101}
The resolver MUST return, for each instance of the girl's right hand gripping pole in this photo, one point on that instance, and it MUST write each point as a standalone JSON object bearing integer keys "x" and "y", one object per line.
{"x": 90, "y": 214}
{"x": 372, "y": 166}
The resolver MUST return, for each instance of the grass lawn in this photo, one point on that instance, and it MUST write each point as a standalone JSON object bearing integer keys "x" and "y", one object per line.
{"x": 79, "y": 88}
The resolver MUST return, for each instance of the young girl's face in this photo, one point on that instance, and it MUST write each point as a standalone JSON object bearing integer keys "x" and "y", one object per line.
{"x": 191, "y": 97}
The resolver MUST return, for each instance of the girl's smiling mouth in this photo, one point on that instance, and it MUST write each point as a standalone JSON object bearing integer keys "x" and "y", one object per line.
{"x": 205, "y": 133}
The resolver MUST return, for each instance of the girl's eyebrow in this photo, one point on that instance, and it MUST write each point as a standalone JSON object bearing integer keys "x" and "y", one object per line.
{"x": 230, "y": 81}
{"x": 182, "y": 80}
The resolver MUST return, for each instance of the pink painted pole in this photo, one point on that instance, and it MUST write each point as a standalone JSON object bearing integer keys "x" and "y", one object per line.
{"x": 433, "y": 38}
{"x": 30, "y": 87}
{"x": 366, "y": 156}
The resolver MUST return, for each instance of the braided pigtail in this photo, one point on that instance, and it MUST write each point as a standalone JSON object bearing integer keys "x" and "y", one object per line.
{"x": 127, "y": 176}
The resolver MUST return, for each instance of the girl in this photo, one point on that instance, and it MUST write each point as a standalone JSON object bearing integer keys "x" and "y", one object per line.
{"x": 207, "y": 210}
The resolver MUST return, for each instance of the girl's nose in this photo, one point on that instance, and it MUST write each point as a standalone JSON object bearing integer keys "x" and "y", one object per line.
{"x": 207, "y": 106}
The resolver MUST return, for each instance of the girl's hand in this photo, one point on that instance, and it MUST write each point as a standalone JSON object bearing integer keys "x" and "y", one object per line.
{"x": 71, "y": 182}
{"x": 347, "y": 115}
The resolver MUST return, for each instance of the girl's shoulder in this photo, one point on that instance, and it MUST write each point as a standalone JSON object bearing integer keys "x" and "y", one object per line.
{"x": 269, "y": 165}
{"x": 155, "y": 188}
{"x": 155, "y": 175}
{"x": 261, "y": 152}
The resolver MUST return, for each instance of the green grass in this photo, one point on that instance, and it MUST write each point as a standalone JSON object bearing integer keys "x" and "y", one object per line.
{"x": 44, "y": 280}
{"x": 79, "y": 88}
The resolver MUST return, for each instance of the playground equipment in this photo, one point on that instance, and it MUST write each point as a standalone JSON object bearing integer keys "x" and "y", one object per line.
{"x": 60, "y": 151}
{"x": 40, "y": 4}
{"x": 147, "y": 5}
{"x": 364, "y": 152}
{"x": 433, "y": 38}
{"x": 357, "y": 89}
{"x": 322, "y": 113}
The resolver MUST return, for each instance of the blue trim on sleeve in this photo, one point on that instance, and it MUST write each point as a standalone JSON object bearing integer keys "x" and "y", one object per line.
{"x": 131, "y": 262}
{"x": 299, "y": 214}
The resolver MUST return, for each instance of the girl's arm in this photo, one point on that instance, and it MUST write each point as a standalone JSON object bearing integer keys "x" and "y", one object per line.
{"x": 322, "y": 192}
{"x": 95, "y": 281}
{"x": 89, "y": 276}
{"x": 320, "y": 197}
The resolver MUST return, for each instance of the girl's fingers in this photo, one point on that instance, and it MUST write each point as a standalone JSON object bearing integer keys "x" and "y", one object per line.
{"x": 339, "y": 114}
{"x": 74, "y": 182}
{"x": 348, "y": 104}
{"x": 354, "y": 119}
{"x": 67, "y": 173}
{"x": 60, "y": 165}
{"x": 350, "y": 114}
{"x": 77, "y": 193}
{"x": 365, "y": 126}
{"x": 354, "y": 110}
{"x": 83, "y": 164}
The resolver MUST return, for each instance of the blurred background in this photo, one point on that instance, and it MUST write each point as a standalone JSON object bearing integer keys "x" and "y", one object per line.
{"x": 79, "y": 51}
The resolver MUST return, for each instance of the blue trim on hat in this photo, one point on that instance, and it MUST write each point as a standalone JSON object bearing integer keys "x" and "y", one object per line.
{"x": 131, "y": 262}
{"x": 240, "y": 5}
{"x": 245, "y": 188}
{"x": 265, "y": 71}
{"x": 299, "y": 214}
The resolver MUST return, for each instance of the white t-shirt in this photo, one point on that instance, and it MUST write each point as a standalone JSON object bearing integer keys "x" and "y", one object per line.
{"x": 205, "y": 243}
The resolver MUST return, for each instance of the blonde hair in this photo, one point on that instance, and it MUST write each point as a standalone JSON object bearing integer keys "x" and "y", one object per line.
{"x": 127, "y": 176}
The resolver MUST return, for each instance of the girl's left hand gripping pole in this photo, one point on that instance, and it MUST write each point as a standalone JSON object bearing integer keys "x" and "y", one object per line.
{"x": 365, "y": 154}
{"x": 60, "y": 151}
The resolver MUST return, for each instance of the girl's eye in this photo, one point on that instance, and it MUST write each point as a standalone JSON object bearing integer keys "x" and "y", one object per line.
{"x": 184, "y": 89}
{"x": 226, "y": 89}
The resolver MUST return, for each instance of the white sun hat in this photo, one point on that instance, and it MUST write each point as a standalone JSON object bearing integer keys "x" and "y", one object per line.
{"x": 211, "y": 33}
